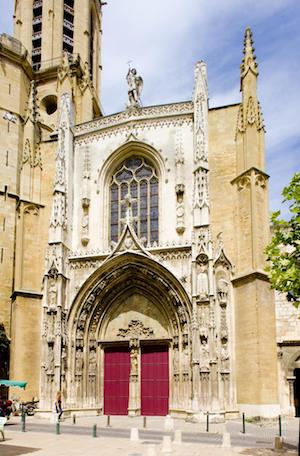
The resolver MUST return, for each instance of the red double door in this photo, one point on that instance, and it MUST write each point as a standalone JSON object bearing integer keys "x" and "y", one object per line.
{"x": 154, "y": 380}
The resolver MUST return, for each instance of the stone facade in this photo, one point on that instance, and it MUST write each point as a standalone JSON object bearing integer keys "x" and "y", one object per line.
{"x": 288, "y": 350}
{"x": 188, "y": 275}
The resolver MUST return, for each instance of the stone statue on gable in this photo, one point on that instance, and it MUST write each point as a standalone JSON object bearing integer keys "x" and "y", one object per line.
{"x": 135, "y": 86}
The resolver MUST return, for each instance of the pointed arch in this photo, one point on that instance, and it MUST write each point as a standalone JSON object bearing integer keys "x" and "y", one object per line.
{"x": 129, "y": 149}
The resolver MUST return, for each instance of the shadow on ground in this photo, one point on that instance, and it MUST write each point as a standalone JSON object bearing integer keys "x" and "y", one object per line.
{"x": 12, "y": 450}
{"x": 266, "y": 452}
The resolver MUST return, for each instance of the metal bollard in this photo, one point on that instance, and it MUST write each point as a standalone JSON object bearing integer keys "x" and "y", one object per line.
{"x": 108, "y": 421}
{"x": 74, "y": 418}
{"x": 244, "y": 426}
{"x": 95, "y": 430}
{"x": 144, "y": 422}
{"x": 207, "y": 421}
{"x": 58, "y": 428}
{"x": 23, "y": 422}
{"x": 279, "y": 424}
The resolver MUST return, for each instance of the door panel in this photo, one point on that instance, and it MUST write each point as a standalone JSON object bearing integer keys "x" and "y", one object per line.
{"x": 155, "y": 380}
{"x": 116, "y": 381}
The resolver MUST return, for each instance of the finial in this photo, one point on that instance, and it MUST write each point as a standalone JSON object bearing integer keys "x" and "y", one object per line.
{"x": 249, "y": 60}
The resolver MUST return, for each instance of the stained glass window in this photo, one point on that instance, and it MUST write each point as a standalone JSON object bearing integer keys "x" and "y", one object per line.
{"x": 136, "y": 178}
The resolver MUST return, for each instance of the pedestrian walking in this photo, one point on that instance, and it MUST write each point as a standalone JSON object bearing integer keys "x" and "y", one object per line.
{"x": 58, "y": 406}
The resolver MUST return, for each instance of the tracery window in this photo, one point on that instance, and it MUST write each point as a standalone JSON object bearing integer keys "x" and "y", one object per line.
{"x": 136, "y": 178}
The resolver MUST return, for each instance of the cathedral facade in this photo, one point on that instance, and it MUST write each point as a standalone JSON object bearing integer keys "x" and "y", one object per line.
{"x": 132, "y": 277}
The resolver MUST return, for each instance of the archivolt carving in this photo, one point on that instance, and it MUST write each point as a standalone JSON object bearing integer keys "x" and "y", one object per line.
{"x": 120, "y": 281}
{"x": 135, "y": 329}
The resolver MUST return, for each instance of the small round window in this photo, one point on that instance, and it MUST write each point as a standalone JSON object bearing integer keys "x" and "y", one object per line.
{"x": 49, "y": 104}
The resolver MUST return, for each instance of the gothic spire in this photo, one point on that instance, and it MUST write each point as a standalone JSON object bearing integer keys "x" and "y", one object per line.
{"x": 249, "y": 59}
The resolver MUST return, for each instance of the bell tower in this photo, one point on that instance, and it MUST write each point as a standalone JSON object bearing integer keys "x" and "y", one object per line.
{"x": 54, "y": 55}
{"x": 51, "y": 30}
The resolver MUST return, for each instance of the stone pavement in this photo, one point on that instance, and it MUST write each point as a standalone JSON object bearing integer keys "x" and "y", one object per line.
{"x": 44, "y": 441}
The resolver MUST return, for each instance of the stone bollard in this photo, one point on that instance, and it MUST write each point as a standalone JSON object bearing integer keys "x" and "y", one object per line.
{"x": 166, "y": 445}
{"x": 134, "y": 435}
{"x": 169, "y": 423}
{"x": 226, "y": 440}
{"x": 151, "y": 450}
{"x": 178, "y": 436}
{"x": 278, "y": 442}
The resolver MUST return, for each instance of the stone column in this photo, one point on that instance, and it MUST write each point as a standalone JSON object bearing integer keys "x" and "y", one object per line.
{"x": 175, "y": 373}
{"x": 195, "y": 361}
{"x": 213, "y": 363}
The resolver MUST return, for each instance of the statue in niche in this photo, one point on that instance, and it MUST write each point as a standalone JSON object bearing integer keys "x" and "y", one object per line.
{"x": 175, "y": 360}
{"x": 52, "y": 294}
{"x": 204, "y": 355}
{"x": 85, "y": 223}
{"x": 78, "y": 362}
{"x": 50, "y": 360}
{"x": 224, "y": 357}
{"x": 135, "y": 86}
{"x": 223, "y": 290}
{"x": 92, "y": 362}
{"x": 186, "y": 359}
{"x": 202, "y": 282}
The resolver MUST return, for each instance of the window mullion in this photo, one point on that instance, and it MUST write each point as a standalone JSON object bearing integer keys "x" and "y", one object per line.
{"x": 119, "y": 210}
{"x": 138, "y": 223}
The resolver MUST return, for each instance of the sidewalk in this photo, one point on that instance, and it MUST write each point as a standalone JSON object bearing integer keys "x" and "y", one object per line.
{"x": 44, "y": 441}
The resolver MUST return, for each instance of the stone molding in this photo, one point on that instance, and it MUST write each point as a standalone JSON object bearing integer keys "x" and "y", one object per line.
{"x": 249, "y": 276}
{"x": 150, "y": 112}
{"x": 125, "y": 127}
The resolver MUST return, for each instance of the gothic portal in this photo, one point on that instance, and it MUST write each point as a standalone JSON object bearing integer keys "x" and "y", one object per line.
{"x": 134, "y": 267}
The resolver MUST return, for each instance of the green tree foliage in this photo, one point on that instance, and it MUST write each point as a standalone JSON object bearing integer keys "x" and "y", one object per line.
{"x": 283, "y": 252}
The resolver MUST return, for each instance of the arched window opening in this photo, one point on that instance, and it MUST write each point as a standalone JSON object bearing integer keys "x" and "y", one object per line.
{"x": 136, "y": 178}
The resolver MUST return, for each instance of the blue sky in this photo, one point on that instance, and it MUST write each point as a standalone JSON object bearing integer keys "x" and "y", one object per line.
{"x": 164, "y": 39}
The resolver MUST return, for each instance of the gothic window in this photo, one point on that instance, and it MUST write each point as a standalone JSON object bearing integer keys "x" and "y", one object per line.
{"x": 136, "y": 178}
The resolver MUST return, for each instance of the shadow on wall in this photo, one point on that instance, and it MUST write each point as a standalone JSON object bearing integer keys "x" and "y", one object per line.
{"x": 4, "y": 360}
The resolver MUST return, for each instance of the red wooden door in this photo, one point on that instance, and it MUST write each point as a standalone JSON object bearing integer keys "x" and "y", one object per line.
{"x": 116, "y": 381}
{"x": 155, "y": 380}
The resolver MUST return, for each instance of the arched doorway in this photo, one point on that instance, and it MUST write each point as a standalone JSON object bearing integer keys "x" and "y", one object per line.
{"x": 130, "y": 339}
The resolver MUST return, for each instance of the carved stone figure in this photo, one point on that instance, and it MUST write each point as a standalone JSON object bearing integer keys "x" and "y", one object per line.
{"x": 135, "y": 86}
{"x": 202, "y": 282}
{"x": 92, "y": 362}
{"x": 222, "y": 290}
{"x": 186, "y": 359}
{"x": 78, "y": 362}
{"x": 52, "y": 294}
{"x": 135, "y": 328}
{"x": 224, "y": 357}
{"x": 85, "y": 223}
{"x": 134, "y": 362}
{"x": 204, "y": 355}
{"x": 50, "y": 360}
